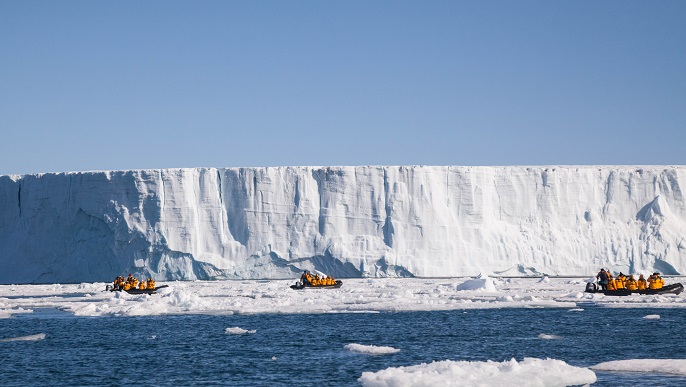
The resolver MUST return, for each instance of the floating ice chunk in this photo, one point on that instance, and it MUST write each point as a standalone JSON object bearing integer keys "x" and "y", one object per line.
{"x": 576, "y": 310}
{"x": 664, "y": 366}
{"x": 370, "y": 349}
{"x": 237, "y": 331}
{"x": 39, "y": 336}
{"x": 652, "y": 317}
{"x": 549, "y": 337}
{"x": 529, "y": 372}
{"x": 482, "y": 282}
{"x": 544, "y": 280}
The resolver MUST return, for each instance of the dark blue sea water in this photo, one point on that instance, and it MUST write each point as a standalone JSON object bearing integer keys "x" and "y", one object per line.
{"x": 308, "y": 349}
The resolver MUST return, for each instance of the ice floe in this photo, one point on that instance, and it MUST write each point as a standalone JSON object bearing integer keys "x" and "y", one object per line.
{"x": 36, "y": 337}
{"x": 528, "y": 372}
{"x": 355, "y": 296}
{"x": 237, "y": 331}
{"x": 664, "y": 366}
{"x": 370, "y": 349}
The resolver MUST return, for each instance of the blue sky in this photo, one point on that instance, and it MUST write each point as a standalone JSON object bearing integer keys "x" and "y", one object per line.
{"x": 93, "y": 85}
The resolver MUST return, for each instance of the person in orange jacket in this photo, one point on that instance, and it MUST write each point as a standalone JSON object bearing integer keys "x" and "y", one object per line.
{"x": 631, "y": 283}
{"x": 642, "y": 283}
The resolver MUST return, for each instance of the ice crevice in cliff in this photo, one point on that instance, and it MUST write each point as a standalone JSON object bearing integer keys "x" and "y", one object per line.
{"x": 209, "y": 223}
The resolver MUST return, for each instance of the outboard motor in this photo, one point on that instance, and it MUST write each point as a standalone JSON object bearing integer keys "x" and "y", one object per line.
{"x": 591, "y": 287}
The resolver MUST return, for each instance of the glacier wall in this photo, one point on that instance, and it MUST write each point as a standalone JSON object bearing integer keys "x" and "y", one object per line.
{"x": 207, "y": 223}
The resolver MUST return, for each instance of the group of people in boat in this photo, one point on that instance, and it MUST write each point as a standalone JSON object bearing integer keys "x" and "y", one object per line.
{"x": 315, "y": 280}
{"x": 131, "y": 282}
{"x": 622, "y": 282}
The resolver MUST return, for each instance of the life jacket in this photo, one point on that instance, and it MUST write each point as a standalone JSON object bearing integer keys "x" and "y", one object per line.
{"x": 656, "y": 283}
{"x": 642, "y": 284}
{"x": 151, "y": 284}
{"x": 660, "y": 282}
{"x": 619, "y": 283}
{"x": 611, "y": 284}
{"x": 631, "y": 284}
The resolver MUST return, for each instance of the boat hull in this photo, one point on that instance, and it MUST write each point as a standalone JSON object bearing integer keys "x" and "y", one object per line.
{"x": 135, "y": 291}
{"x": 300, "y": 286}
{"x": 669, "y": 289}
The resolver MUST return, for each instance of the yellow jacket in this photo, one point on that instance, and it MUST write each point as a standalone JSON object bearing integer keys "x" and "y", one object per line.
{"x": 657, "y": 283}
{"x": 611, "y": 284}
{"x": 642, "y": 284}
{"x": 631, "y": 284}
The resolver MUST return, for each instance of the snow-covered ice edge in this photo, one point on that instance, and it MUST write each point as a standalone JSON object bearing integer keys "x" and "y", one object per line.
{"x": 356, "y": 296}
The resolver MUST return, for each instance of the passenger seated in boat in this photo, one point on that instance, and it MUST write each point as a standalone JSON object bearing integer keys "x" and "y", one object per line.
{"x": 631, "y": 283}
{"x": 610, "y": 282}
{"x": 642, "y": 283}
{"x": 151, "y": 283}
{"x": 657, "y": 282}
{"x": 141, "y": 285}
{"x": 619, "y": 282}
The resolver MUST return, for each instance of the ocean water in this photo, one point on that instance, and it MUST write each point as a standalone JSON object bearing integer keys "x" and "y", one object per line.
{"x": 309, "y": 349}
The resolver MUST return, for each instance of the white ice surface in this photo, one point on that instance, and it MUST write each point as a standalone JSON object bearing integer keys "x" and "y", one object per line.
{"x": 548, "y": 337}
{"x": 36, "y": 337}
{"x": 356, "y": 295}
{"x": 375, "y": 221}
{"x": 664, "y": 366}
{"x": 370, "y": 349}
{"x": 528, "y": 372}
{"x": 238, "y": 331}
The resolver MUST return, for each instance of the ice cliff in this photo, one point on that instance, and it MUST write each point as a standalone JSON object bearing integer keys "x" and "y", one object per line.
{"x": 207, "y": 223}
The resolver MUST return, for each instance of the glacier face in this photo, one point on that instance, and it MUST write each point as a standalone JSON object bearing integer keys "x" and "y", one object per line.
{"x": 209, "y": 223}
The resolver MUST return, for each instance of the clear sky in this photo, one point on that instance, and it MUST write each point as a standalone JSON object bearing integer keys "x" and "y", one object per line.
{"x": 101, "y": 85}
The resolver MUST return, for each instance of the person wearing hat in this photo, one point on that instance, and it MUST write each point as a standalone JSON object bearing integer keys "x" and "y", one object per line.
{"x": 642, "y": 283}
{"x": 631, "y": 283}
{"x": 305, "y": 278}
{"x": 657, "y": 281}
{"x": 602, "y": 279}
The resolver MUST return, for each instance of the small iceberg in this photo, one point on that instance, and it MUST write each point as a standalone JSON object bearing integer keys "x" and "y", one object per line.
{"x": 370, "y": 349}
{"x": 237, "y": 331}
{"x": 652, "y": 317}
{"x": 528, "y": 372}
{"x": 481, "y": 282}
{"x": 39, "y": 336}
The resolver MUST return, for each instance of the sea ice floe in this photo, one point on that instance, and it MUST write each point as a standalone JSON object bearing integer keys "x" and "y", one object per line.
{"x": 528, "y": 372}
{"x": 356, "y": 295}
{"x": 548, "y": 337}
{"x": 39, "y": 336}
{"x": 370, "y": 349}
{"x": 664, "y": 366}
{"x": 237, "y": 331}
